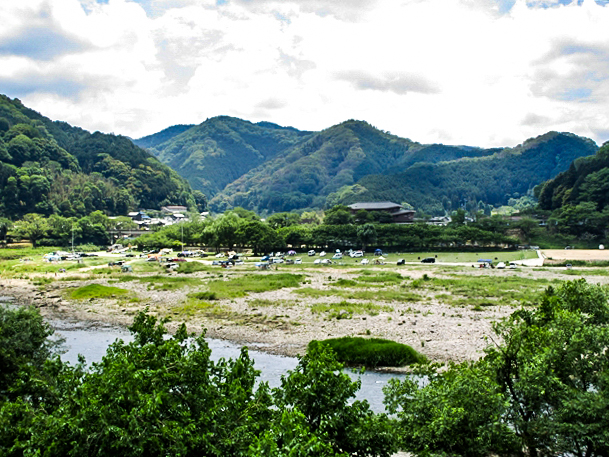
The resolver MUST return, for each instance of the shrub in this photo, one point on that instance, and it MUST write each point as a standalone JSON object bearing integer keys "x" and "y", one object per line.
{"x": 373, "y": 352}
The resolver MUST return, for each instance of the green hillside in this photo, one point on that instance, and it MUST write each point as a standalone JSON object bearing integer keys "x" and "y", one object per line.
{"x": 51, "y": 167}
{"x": 306, "y": 174}
{"x": 222, "y": 149}
{"x": 167, "y": 134}
{"x": 586, "y": 180}
{"x": 492, "y": 179}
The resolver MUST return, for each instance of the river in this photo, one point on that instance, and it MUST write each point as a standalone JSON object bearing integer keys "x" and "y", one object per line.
{"x": 92, "y": 343}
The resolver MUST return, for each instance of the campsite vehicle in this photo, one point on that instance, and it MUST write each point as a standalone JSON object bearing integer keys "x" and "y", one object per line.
{"x": 317, "y": 261}
{"x": 297, "y": 261}
{"x": 219, "y": 255}
{"x": 569, "y": 266}
{"x": 289, "y": 262}
{"x": 401, "y": 262}
{"x": 428, "y": 260}
{"x": 171, "y": 266}
{"x": 277, "y": 260}
{"x": 337, "y": 256}
{"x": 357, "y": 254}
{"x": 365, "y": 262}
{"x": 322, "y": 254}
{"x": 166, "y": 251}
{"x": 513, "y": 265}
{"x": 501, "y": 265}
{"x": 326, "y": 262}
{"x": 177, "y": 259}
{"x": 311, "y": 252}
{"x": 115, "y": 264}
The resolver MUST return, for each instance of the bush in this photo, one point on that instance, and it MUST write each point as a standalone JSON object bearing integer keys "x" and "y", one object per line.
{"x": 372, "y": 352}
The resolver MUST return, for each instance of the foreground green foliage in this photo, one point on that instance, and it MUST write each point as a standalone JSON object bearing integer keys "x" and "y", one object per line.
{"x": 540, "y": 390}
{"x": 163, "y": 395}
{"x": 372, "y": 352}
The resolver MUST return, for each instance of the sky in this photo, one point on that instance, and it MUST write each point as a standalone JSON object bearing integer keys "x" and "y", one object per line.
{"x": 470, "y": 72}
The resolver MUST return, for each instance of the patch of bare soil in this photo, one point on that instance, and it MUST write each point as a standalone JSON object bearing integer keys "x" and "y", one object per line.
{"x": 577, "y": 254}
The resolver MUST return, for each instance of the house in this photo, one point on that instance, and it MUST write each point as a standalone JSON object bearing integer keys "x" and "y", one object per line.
{"x": 139, "y": 216}
{"x": 399, "y": 214}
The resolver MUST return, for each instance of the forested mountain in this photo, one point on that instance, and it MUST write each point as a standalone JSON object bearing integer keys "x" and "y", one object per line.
{"x": 327, "y": 162}
{"x": 221, "y": 149}
{"x": 492, "y": 179}
{"x": 268, "y": 168}
{"x": 51, "y": 167}
{"x": 586, "y": 180}
{"x": 167, "y": 134}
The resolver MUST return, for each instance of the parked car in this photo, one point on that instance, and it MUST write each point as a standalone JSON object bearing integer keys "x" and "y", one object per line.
{"x": 513, "y": 265}
{"x": 357, "y": 254}
{"x": 317, "y": 261}
{"x": 401, "y": 262}
{"x": 326, "y": 261}
{"x": 277, "y": 260}
{"x": 311, "y": 253}
{"x": 297, "y": 261}
{"x": 322, "y": 254}
{"x": 219, "y": 255}
{"x": 337, "y": 256}
{"x": 501, "y": 265}
{"x": 365, "y": 261}
{"x": 428, "y": 260}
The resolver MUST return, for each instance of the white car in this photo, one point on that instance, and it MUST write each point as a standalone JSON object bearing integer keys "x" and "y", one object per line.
{"x": 297, "y": 261}
{"x": 326, "y": 261}
{"x": 311, "y": 252}
{"x": 219, "y": 255}
{"x": 337, "y": 256}
{"x": 322, "y": 254}
{"x": 501, "y": 265}
{"x": 357, "y": 254}
{"x": 365, "y": 261}
{"x": 317, "y": 261}
{"x": 277, "y": 260}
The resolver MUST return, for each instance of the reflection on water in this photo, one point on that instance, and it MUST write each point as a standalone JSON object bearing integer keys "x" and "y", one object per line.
{"x": 93, "y": 342}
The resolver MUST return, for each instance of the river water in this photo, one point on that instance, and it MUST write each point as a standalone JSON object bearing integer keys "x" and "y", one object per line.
{"x": 92, "y": 343}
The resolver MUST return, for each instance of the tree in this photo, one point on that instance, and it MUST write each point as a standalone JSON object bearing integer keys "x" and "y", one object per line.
{"x": 542, "y": 389}
{"x": 319, "y": 390}
{"x": 338, "y": 215}
{"x": 366, "y": 234}
{"x": 33, "y": 227}
{"x": 279, "y": 220}
{"x": 5, "y": 226}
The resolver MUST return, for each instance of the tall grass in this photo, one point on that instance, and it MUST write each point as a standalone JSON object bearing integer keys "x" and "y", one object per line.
{"x": 96, "y": 291}
{"x": 241, "y": 286}
{"x": 372, "y": 352}
{"x": 345, "y": 309}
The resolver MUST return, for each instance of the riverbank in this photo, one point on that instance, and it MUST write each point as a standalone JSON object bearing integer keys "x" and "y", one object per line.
{"x": 283, "y": 321}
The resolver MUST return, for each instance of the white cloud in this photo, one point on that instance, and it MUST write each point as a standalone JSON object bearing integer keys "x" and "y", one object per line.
{"x": 479, "y": 72}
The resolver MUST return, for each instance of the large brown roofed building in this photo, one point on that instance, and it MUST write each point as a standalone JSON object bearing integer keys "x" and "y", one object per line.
{"x": 399, "y": 214}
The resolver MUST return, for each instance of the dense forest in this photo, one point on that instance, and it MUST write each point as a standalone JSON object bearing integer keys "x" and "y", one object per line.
{"x": 51, "y": 167}
{"x": 269, "y": 169}
{"x": 494, "y": 179}
{"x": 220, "y": 150}
{"x": 578, "y": 199}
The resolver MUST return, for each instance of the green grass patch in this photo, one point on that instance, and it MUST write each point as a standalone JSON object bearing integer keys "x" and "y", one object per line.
{"x": 384, "y": 277}
{"x": 205, "y": 295}
{"x": 372, "y": 352}
{"x": 264, "y": 303}
{"x": 97, "y": 291}
{"x": 380, "y": 295}
{"x": 192, "y": 267}
{"x": 595, "y": 272}
{"x": 241, "y": 286}
{"x": 485, "y": 290}
{"x": 161, "y": 282}
{"x": 346, "y": 310}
